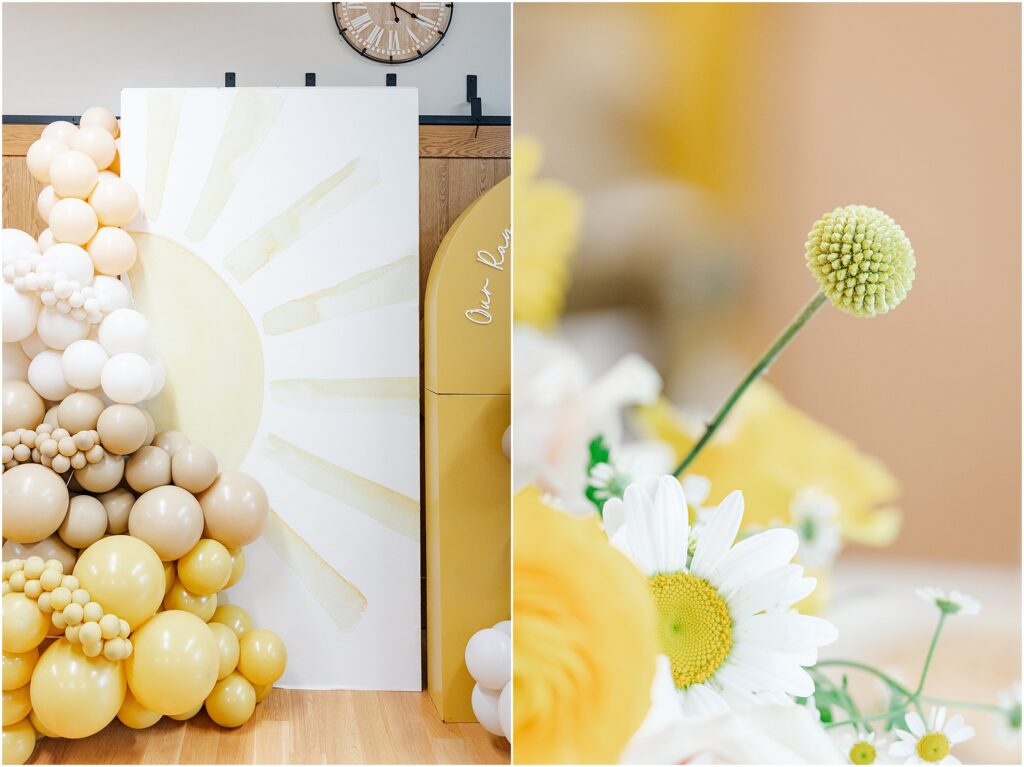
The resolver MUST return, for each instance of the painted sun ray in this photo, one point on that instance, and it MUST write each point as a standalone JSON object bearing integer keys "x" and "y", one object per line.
{"x": 391, "y": 508}
{"x": 253, "y": 114}
{"x": 392, "y": 283}
{"x": 399, "y": 396}
{"x": 163, "y": 109}
{"x": 341, "y": 600}
{"x": 308, "y": 212}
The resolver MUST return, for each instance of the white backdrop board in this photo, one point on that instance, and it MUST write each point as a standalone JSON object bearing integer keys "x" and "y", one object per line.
{"x": 278, "y": 266}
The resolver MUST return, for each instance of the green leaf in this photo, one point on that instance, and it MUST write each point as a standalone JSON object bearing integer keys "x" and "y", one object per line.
{"x": 599, "y": 453}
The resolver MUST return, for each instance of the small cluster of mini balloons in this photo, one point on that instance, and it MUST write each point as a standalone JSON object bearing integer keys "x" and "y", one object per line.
{"x": 63, "y": 302}
{"x": 489, "y": 660}
{"x": 119, "y": 540}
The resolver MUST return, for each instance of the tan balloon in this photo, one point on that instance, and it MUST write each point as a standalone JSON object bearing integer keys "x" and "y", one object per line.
{"x": 118, "y": 505}
{"x": 73, "y": 220}
{"x": 234, "y": 617}
{"x": 261, "y": 656}
{"x": 48, "y": 548}
{"x": 232, "y": 701}
{"x": 206, "y": 568}
{"x": 147, "y": 468}
{"x": 169, "y": 519}
{"x": 101, "y": 476}
{"x": 194, "y": 468}
{"x": 122, "y": 428}
{"x": 35, "y": 502}
{"x": 235, "y": 508}
{"x": 237, "y": 566}
{"x": 133, "y": 714}
{"x": 97, "y": 143}
{"x": 79, "y": 412}
{"x": 124, "y": 575}
{"x": 113, "y": 250}
{"x": 16, "y": 705}
{"x": 227, "y": 648}
{"x": 200, "y": 605}
{"x": 85, "y": 523}
{"x": 23, "y": 408}
{"x": 151, "y": 427}
{"x": 170, "y": 441}
{"x": 114, "y": 201}
{"x": 18, "y": 665}
{"x": 102, "y": 117}
{"x": 24, "y": 624}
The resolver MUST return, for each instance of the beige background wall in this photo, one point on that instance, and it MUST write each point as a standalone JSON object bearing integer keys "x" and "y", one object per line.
{"x": 777, "y": 113}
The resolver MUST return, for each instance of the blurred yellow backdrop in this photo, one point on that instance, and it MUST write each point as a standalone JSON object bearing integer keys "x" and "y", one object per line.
{"x": 705, "y": 139}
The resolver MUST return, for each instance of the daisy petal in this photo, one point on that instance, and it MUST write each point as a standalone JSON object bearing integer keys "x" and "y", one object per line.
{"x": 904, "y": 735}
{"x": 785, "y": 631}
{"x": 901, "y": 748}
{"x": 963, "y": 733}
{"x": 671, "y": 525}
{"x": 718, "y": 536}
{"x": 753, "y": 557}
{"x": 938, "y": 719}
{"x": 950, "y": 759}
{"x": 916, "y": 724}
{"x": 614, "y": 516}
{"x": 638, "y": 525}
{"x": 772, "y": 591}
{"x": 701, "y": 700}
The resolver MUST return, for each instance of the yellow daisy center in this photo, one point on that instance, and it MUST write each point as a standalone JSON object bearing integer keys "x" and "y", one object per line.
{"x": 862, "y": 752}
{"x": 694, "y": 626}
{"x": 933, "y": 747}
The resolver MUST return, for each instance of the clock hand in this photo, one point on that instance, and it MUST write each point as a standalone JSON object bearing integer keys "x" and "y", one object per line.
{"x": 394, "y": 9}
{"x": 406, "y": 10}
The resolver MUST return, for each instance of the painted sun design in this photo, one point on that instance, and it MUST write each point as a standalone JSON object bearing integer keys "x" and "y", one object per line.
{"x": 278, "y": 261}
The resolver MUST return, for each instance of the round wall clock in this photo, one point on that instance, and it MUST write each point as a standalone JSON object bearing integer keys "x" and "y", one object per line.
{"x": 393, "y": 33}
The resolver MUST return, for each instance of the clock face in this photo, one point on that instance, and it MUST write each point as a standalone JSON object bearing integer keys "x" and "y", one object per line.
{"x": 393, "y": 33}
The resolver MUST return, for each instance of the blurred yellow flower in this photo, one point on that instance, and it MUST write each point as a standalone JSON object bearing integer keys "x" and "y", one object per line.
{"x": 584, "y": 644}
{"x": 547, "y": 218}
{"x": 770, "y": 450}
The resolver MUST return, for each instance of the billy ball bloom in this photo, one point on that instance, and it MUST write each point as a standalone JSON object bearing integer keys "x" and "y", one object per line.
{"x": 862, "y": 259}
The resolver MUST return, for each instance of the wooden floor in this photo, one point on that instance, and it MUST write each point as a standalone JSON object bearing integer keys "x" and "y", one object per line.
{"x": 295, "y": 726}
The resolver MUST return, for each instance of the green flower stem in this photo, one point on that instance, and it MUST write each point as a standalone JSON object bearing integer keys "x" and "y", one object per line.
{"x": 931, "y": 652}
{"x": 853, "y": 720}
{"x": 756, "y": 372}
{"x": 869, "y": 669}
{"x": 988, "y": 707}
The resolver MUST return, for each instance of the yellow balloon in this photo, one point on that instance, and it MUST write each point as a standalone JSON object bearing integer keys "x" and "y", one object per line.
{"x": 234, "y": 617}
{"x": 169, "y": 573}
{"x": 206, "y": 569}
{"x": 124, "y": 575}
{"x": 232, "y": 701}
{"x": 174, "y": 663}
{"x": 261, "y": 656}
{"x": 180, "y": 598}
{"x": 41, "y": 730}
{"x": 74, "y": 695}
{"x": 237, "y": 566}
{"x": 16, "y": 705}
{"x": 227, "y": 648}
{"x": 25, "y": 625}
{"x": 19, "y": 742}
{"x": 263, "y": 691}
{"x": 18, "y": 668}
{"x": 188, "y": 714}
{"x": 135, "y": 715}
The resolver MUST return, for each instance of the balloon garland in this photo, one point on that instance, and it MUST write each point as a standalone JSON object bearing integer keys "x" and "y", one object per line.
{"x": 118, "y": 540}
{"x": 489, "y": 662}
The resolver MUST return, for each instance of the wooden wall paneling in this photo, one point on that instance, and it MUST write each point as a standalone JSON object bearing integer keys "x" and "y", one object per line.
{"x": 20, "y": 191}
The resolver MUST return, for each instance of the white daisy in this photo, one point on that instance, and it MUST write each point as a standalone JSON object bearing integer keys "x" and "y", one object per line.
{"x": 813, "y": 513}
{"x": 628, "y": 464}
{"x": 952, "y": 603}
{"x": 724, "y": 618}
{"x": 933, "y": 743}
{"x": 1010, "y": 704}
{"x": 862, "y": 747}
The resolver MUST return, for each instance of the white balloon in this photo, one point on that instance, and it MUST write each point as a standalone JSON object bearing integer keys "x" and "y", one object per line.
{"x": 127, "y": 378}
{"x": 82, "y": 364}
{"x": 17, "y": 242}
{"x": 505, "y": 711}
{"x": 159, "y": 376}
{"x": 505, "y": 626}
{"x": 111, "y": 292}
{"x": 47, "y": 378}
{"x": 15, "y": 362}
{"x": 125, "y": 330}
{"x": 46, "y": 240}
{"x": 70, "y": 259}
{"x": 485, "y": 706}
{"x": 489, "y": 658}
{"x": 59, "y": 331}
{"x": 20, "y": 312}
{"x": 32, "y": 345}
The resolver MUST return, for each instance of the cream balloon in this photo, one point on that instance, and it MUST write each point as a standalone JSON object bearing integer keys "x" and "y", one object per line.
{"x": 79, "y": 412}
{"x": 167, "y": 518}
{"x": 15, "y": 362}
{"x": 82, "y": 363}
{"x": 35, "y": 502}
{"x": 235, "y": 508}
{"x": 24, "y": 624}
{"x": 46, "y": 238}
{"x": 73, "y": 260}
{"x": 101, "y": 476}
{"x": 85, "y": 523}
{"x": 46, "y": 376}
{"x": 96, "y": 142}
{"x": 118, "y": 505}
{"x": 73, "y": 695}
{"x": 113, "y": 250}
{"x": 227, "y": 648}
{"x": 110, "y": 292}
{"x": 73, "y": 174}
{"x": 126, "y": 378}
{"x": 122, "y": 429}
{"x": 175, "y": 663}
{"x": 102, "y": 117}
{"x": 114, "y": 201}
{"x": 61, "y": 130}
{"x": 20, "y": 312}
{"x": 59, "y": 331}
{"x": 48, "y": 548}
{"x": 159, "y": 374}
{"x": 124, "y": 575}
{"x": 73, "y": 220}
{"x": 41, "y": 153}
{"x": 23, "y": 407}
{"x": 32, "y": 345}
{"x": 45, "y": 202}
{"x": 193, "y": 467}
{"x": 124, "y": 330}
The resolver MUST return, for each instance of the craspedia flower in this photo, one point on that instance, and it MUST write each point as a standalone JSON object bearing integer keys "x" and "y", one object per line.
{"x": 862, "y": 259}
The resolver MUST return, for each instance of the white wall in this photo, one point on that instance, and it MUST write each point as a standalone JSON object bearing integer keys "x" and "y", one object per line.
{"x": 61, "y": 58}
